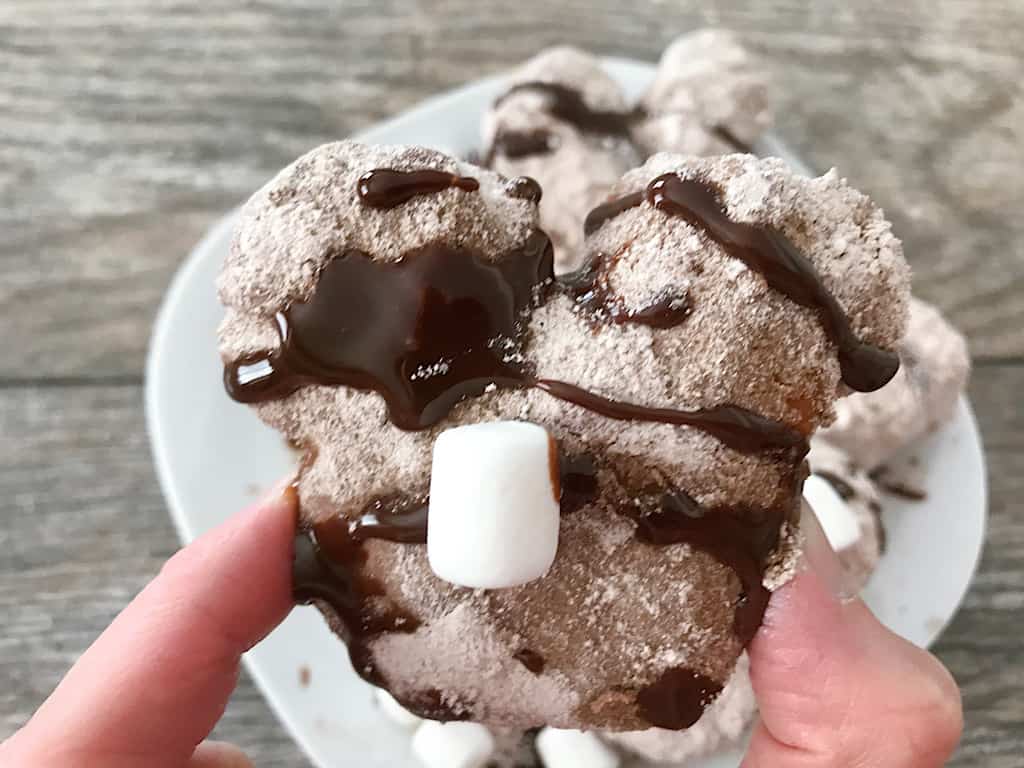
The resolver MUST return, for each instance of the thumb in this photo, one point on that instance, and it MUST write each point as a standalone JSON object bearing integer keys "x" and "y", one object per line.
{"x": 217, "y": 754}
{"x": 836, "y": 688}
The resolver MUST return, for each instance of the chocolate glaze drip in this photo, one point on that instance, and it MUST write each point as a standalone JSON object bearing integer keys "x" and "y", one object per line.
{"x": 864, "y": 366}
{"x": 392, "y": 519}
{"x": 327, "y": 567}
{"x": 519, "y": 144}
{"x": 741, "y": 539}
{"x": 524, "y": 188}
{"x": 532, "y": 660}
{"x": 677, "y": 699}
{"x": 736, "y": 427}
{"x": 385, "y": 188}
{"x": 610, "y": 210}
{"x": 667, "y": 312}
{"x": 425, "y": 333}
{"x": 589, "y": 288}
{"x": 568, "y": 105}
{"x": 431, "y": 704}
{"x": 845, "y": 491}
{"x": 726, "y": 136}
{"x": 894, "y": 485}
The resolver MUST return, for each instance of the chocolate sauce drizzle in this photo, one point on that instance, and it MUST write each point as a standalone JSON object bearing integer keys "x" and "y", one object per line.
{"x": 677, "y": 699}
{"x": 864, "y": 366}
{"x": 568, "y": 105}
{"x": 327, "y": 567}
{"x": 609, "y": 210}
{"x": 590, "y": 289}
{"x": 726, "y": 136}
{"x": 524, "y": 188}
{"x": 386, "y": 188}
{"x": 741, "y": 539}
{"x": 740, "y": 429}
{"x": 391, "y": 519}
{"x": 843, "y": 489}
{"x": 516, "y": 145}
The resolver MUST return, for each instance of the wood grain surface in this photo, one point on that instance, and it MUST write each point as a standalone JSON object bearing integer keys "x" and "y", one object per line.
{"x": 127, "y": 127}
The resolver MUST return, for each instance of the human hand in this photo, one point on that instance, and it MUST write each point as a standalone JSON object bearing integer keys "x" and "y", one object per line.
{"x": 154, "y": 684}
{"x": 836, "y": 689}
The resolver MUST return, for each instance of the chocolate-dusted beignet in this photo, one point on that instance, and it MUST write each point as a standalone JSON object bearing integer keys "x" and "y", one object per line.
{"x": 377, "y": 296}
{"x": 709, "y": 97}
{"x": 564, "y": 122}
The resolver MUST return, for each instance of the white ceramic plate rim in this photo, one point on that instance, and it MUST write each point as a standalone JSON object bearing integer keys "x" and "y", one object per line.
{"x": 159, "y": 396}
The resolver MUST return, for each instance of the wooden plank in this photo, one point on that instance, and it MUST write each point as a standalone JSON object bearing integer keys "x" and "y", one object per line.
{"x": 85, "y": 528}
{"x": 126, "y": 128}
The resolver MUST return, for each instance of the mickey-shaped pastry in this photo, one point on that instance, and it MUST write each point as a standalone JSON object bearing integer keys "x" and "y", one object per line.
{"x": 378, "y": 297}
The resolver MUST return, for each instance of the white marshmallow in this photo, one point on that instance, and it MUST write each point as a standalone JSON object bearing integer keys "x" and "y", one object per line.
{"x": 494, "y": 510}
{"x": 452, "y": 745}
{"x": 394, "y": 711}
{"x": 574, "y": 749}
{"x": 837, "y": 520}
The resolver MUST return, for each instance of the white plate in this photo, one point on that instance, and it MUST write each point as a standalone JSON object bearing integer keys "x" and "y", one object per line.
{"x": 213, "y": 456}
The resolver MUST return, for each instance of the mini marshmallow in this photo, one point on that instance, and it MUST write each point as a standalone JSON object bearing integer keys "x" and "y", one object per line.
{"x": 574, "y": 749}
{"x": 836, "y": 518}
{"x": 494, "y": 507}
{"x": 452, "y": 745}
{"x": 394, "y": 711}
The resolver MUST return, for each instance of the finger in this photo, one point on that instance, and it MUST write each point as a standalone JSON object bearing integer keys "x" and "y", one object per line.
{"x": 156, "y": 681}
{"x": 218, "y": 754}
{"x": 836, "y": 688}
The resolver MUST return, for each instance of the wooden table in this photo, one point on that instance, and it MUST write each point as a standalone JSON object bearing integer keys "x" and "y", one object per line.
{"x": 127, "y": 128}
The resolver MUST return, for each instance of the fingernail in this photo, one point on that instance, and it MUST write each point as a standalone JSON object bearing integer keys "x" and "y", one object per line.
{"x": 283, "y": 491}
{"x": 822, "y": 559}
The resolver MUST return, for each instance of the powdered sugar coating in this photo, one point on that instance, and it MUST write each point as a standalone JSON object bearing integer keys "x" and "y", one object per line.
{"x": 705, "y": 80}
{"x": 579, "y": 169}
{"x": 723, "y": 722}
{"x": 873, "y": 427}
{"x": 769, "y": 354}
{"x": 613, "y": 614}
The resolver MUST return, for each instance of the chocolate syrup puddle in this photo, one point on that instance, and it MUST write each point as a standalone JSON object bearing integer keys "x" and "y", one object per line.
{"x": 385, "y": 188}
{"x": 425, "y": 333}
{"x": 864, "y": 366}
{"x": 568, "y": 105}
{"x": 677, "y": 699}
